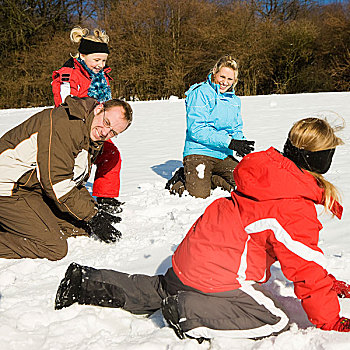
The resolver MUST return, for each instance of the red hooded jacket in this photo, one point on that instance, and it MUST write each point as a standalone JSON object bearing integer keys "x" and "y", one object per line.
{"x": 270, "y": 217}
{"x": 72, "y": 79}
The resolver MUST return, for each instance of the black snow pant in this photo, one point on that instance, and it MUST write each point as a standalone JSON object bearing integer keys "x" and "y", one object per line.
{"x": 240, "y": 313}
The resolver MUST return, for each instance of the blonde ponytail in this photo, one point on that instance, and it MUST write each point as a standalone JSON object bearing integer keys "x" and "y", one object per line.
{"x": 78, "y": 33}
{"x": 316, "y": 134}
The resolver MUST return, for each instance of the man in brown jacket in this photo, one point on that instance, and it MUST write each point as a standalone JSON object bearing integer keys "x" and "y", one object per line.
{"x": 44, "y": 164}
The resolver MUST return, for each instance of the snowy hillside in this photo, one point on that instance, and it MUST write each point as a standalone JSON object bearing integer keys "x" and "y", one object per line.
{"x": 154, "y": 222}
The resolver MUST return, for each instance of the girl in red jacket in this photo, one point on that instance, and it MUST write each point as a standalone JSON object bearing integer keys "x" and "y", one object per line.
{"x": 85, "y": 75}
{"x": 215, "y": 286}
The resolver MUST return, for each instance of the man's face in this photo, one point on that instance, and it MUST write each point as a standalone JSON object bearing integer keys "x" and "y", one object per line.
{"x": 107, "y": 124}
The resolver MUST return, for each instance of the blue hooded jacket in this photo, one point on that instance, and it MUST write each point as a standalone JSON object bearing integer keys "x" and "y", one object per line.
{"x": 213, "y": 119}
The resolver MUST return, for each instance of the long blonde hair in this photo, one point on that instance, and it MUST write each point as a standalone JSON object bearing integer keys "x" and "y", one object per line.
{"x": 78, "y": 33}
{"x": 229, "y": 62}
{"x": 316, "y": 134}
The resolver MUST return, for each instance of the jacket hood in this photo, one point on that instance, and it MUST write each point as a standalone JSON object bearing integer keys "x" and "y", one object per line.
{"x": 80, "y": 108}
{"x": 268, "y": 175}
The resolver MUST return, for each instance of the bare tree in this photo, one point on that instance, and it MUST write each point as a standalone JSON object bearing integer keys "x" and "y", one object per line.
{"x": 161, "y": 47}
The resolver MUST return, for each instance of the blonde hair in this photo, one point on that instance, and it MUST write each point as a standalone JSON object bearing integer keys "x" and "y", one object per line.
{"x": 316, "y": 134}
{"x": 98, "y": 35}
{"x": 229, "y": 62}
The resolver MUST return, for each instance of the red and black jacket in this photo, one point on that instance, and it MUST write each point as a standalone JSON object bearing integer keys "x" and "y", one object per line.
{"x": 72, "y": 79}
{"x": 270, "y": 217}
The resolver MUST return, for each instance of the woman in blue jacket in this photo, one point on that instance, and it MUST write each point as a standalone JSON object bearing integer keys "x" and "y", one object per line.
{"x": 214, "y": 131}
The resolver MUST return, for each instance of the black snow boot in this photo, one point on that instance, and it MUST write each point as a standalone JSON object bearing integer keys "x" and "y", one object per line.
{"x": 179, "y": 175}
{"x": 68, "y": 291}
{"x": 171, "y": 314}
{"x": 177, "y": 183}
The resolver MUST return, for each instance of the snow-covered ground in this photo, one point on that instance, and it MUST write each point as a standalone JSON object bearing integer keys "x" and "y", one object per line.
{"x": 154, "y": 222}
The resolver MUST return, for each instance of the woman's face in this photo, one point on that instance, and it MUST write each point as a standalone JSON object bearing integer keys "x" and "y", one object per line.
{"x": 95, "y": 61}
{"x": 225, "y": 77}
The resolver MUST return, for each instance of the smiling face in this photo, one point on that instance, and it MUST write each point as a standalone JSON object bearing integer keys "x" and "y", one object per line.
{"x": 95, "y": 61}
{"x": 225, "y": 77}
{"x": 107, "y": 123}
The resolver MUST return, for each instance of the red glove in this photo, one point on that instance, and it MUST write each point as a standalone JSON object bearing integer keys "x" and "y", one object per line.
{"x": 341, "y": 325}
{"x": 340, "y": 287}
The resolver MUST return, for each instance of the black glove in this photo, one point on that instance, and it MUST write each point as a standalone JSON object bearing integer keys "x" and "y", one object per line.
{"x": 242, "y": 147}
{"x": 101, "y": 226}
{"x": 110, "y": 205}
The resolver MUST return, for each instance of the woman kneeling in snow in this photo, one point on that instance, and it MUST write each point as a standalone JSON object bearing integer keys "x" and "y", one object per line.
{"x": 214, "y": 132}
{"x": 212, "y": 288}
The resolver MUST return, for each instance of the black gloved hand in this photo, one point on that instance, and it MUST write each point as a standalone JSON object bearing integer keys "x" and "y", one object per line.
{"x": 101, "y": 226}
{"x": 241, "y": 147}
{"x": 110, "y": 205}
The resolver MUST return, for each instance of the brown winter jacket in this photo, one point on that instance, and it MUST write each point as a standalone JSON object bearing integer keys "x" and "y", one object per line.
{"x": 52, "y": 150}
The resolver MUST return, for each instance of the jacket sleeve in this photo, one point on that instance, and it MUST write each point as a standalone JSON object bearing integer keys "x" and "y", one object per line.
{"x": 199, "y": 126}
{"x": 63, "y": 84}
{"x": 63, "y": 164}
{"x": 107, "y": 175}
{"x": 303, "y": 263}
{"x": 238, "y": 128}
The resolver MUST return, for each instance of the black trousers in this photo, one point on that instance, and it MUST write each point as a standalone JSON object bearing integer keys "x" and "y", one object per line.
{"x": 240, "y": 313}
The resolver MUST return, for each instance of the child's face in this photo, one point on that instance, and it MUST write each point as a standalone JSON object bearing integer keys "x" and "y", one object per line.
{"x": 95, "y": 61}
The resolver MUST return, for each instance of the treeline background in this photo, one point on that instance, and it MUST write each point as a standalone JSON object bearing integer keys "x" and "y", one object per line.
{"x": 160, "y": 47}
